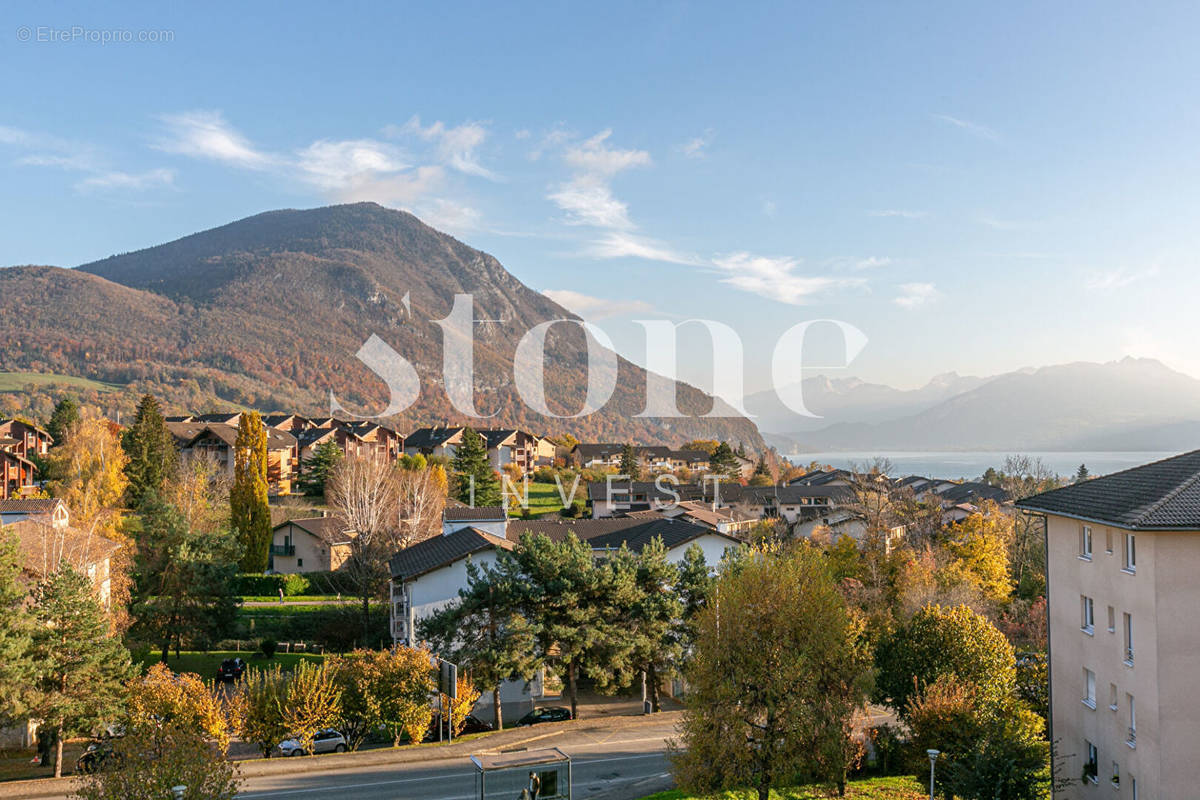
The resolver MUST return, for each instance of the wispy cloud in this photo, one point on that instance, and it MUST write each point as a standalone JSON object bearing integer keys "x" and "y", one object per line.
{"x": 872, "y": 262}
{"x": 899, "y": 212}
{"x": 456, "y": 146}
{"x": 126, "y": 180}
{"x": 620, "y": 244}
{"x": 777, "y": 278}
{"x": 591, "y": 308}
{"x": 974, "y": 128}
{"x": 587, "y": 197}
{"x": 915, "y": 295}
{"x": 206, "y": 134}
{"x": 697, "y": 146}
{"x": 1110, "y": 280}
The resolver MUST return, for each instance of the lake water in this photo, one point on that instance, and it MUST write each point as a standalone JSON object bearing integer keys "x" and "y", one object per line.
{"x": 974, "y": 464}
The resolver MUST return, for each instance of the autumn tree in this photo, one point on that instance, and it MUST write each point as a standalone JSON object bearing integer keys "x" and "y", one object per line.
{"x": 361, "y": 711}
{"x": 476, "y": 481}
{"x": 778, "y": 672}
{"x": 250, "y": 512}
{"x": 403, "y": 685}
{"x": 89, "y": 470}
{"x": 80, "y": 665}
{"x": 978, "y": 548}
{"x": 457, "y": 708}
{"x": 153, "y": 458}
{"x": 317, "y": 468}
{"x": 420, "y": 499}
{"x": 313, "y": 701}
{"x": 940, "y": 641}
{"x": 485, "y": 632}
{"x": 364, "y": 495}
{"x": 257, "y": 709}
{"x": 177, "y": 732}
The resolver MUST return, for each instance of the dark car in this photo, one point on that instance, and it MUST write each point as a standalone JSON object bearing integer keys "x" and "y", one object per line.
{"x": 98, "y": 757}
{"x": 472, "y": 724}
{"x": 553, "y": 714}
{"x": 231, "y": 669}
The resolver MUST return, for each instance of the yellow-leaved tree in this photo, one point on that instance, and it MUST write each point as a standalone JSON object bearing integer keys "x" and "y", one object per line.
{"x": 257, "y": 708}
{"x": 978, "y": 547}
{"x": 313, "y": 701}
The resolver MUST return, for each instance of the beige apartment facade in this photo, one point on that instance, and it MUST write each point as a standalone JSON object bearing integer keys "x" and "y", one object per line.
{"x": 1123, "y": 574}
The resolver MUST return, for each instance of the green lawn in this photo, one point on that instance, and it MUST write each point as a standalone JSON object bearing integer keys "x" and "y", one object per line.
{"x": 205, "y": 664}
{"x": 296, "y": 598}
{"x": 868, "y": 789}
{"x": 544, "y": 499}
{"x": 17, "y": 381}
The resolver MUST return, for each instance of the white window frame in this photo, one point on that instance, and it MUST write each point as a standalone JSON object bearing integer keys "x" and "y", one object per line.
{"x": 1087, "y": 611}
{"x": 1108, "y": 541}
{"x": 1127, "y": 625}
{"x": 1131, "y": 736}
{"x": 1112, "y": 697}
{"x": 1093, "y": 758}
{"x": 1085, "y": 542}
{"x": 1129, "y": 554}
{"x": 1089, "y": 688}
{"x": 1112, "y": 620}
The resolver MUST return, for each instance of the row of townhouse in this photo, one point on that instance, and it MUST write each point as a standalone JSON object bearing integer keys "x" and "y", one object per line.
{"x": 602, "y": 455}
{"x": 958, "y": 499}
{"x": 292, "y": 440}
{"x": 428, "y": 575}
{"x": 20, "y": 443}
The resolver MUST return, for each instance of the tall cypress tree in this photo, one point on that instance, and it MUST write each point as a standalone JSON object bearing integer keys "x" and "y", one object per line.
{"x": 16, "y": 664}
{"x": 81, "y": 666}
{"x": 471, "y": 462}
{"x": 151, "y": 450}
{"x": 250, "y": 513}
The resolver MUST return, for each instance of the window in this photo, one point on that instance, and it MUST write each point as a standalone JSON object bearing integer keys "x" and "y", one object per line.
{"x": 1131, "y": 739}
{"x": 1129, "y": 639}
{"x": 1085, "y": 542}
{"x": 1133, "y": 784}
{"x": 1112, "y": 696}
{"x": 1130, "y": 564}
{"x": 299, "y": 562}
{"x": 1116, "y": 776}
{"x": 1108, "y": 540}
{"x": 1089, "y": 688}
{"x": 1091, "y": 767}
{"x": 1112, "y": 620}
{"x": 1087, "y": 614}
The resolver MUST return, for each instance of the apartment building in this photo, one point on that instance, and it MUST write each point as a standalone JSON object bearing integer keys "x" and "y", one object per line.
{"x": 1123, "y": 556}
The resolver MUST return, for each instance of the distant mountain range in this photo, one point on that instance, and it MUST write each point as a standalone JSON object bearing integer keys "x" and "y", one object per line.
{"x": 1131, "y": 404}
{"x": 269, "y": 311}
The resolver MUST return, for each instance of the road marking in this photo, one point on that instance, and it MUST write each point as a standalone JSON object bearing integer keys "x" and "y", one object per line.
{"x": 343, "y": 786}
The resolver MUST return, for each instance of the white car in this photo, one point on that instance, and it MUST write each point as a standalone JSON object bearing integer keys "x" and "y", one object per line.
{"x": 326, "y": 741}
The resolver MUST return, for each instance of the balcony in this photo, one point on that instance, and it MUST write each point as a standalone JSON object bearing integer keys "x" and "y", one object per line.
{"x": 283, "y": 549}
{"x": 1131, "y": 738}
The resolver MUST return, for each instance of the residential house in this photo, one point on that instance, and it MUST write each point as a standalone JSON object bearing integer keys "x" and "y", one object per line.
{"x": 1122, "y": 556}
{"x": 20, "y": 443}
{"x": 48, "y": 511}
{"x": 489, "y": 519}
{"x": 436, "y": 441}
{"x": 511, "y": 446}
{"x": 216, "y": 441}
{"x": 29, "y": 440}
{"x": 652, "y": 459}
{"x": 310, "y": 544}
{"x": 723, "y": 519}
{"x": 611, "y": 498}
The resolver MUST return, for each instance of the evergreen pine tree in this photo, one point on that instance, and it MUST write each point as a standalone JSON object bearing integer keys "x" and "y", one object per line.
{"x": 151, "y": 450}
{"x": 16, "y": 665}
{"x": 477, "y": 483}
{"x": 66, "y": 414}
{"x": 250, "y": 513}
{"x": 1082, "y": 474}
{"x": 724, "y": 463}
{"x": 629, "y": 463}
{"x": 81, "y": 666}
{"x": 325, "y": 457}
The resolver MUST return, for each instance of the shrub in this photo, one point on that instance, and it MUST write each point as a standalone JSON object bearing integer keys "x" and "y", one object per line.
{"x": 268, "y": 647}
{"x": 269, "y": 585}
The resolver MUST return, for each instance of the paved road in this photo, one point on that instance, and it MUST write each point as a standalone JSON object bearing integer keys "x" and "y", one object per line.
{"x": 605, "y": 761}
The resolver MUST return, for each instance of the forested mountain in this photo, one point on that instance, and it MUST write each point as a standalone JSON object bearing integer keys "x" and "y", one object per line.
{"x": 268, "y": 312}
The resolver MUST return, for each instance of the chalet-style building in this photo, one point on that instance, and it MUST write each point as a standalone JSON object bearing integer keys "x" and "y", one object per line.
{"x": 313, "y": 544}
{"x": 216, "y": 441}
{"x": 652, "y": 459}
{"x": 20, "y": 443}
{"x": 436, "y": 441}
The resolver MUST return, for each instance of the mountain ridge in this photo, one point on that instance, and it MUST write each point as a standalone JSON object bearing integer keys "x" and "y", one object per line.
{"x": 268, "y": 312}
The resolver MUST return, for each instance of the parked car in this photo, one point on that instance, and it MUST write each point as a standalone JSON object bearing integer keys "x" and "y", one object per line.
{"x": 97, "y": 757}
{"x": 231, "y": 669}
{"x": 552, "y": 714}
{"x": 326, "y": 741}
{"x": 472, "y": 725}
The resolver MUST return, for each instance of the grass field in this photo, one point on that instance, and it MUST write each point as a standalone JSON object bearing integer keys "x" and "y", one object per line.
{"x": 297, "y": 598}
{"x": 205, "y": 664}
{"x": 17, "y": 381}
{"x": 868, "y": 789}
{"x": 544, "y": 499}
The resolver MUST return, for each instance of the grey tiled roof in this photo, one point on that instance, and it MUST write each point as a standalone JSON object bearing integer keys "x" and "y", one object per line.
{"x": 612, "y": 532}
{"x": 465, "y": 513}
{"x": 438, "y": 551}
{"x": 1162, "y": 495}
{"x": 31, "y": 505}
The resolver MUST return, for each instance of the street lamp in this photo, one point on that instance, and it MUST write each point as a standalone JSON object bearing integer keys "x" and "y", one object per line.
{"x": 933, "y": 755}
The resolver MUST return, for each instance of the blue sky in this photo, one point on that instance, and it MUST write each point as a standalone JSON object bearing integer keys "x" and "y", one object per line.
{"x": 976, "y": 188}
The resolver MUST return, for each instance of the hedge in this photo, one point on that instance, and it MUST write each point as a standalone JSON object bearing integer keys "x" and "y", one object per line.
{"x": 337, "y": 627}
{"x": 254, "y": 585}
